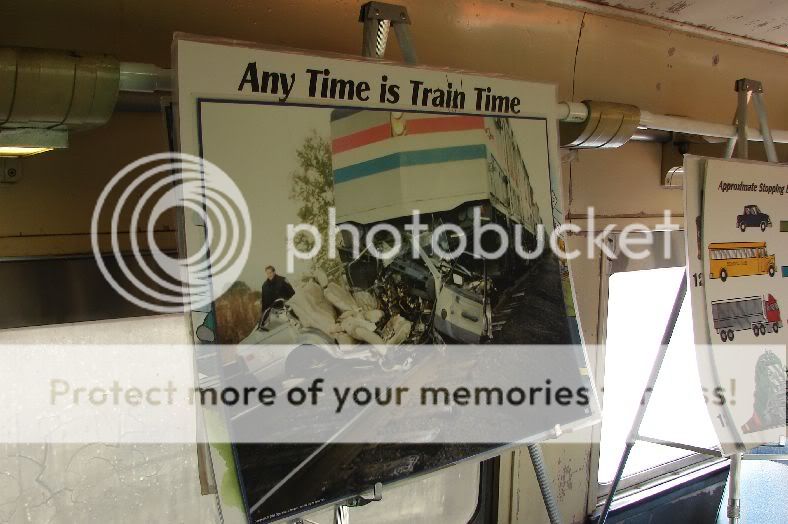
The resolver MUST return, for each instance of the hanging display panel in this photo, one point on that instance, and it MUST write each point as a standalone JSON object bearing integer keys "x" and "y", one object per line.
{"x": 401, "y": 223}
{"x": 735, "y": 277}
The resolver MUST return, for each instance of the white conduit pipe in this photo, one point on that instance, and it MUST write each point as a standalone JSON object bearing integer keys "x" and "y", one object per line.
{"x": 696, "y": 127}
{"x": 149, "y": 78}
{"x": 578, "y": 112}
{"x": 144, "y": 78}
{"x": 572, "y": 112}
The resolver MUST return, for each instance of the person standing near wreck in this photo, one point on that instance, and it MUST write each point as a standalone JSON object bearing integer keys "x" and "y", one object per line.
{"x": 274, "y": 288}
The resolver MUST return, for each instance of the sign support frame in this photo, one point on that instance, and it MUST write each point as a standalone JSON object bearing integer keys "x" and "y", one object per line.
{"x": 746, "y": 89}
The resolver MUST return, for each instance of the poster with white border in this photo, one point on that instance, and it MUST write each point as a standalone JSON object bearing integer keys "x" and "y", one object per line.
{"x": 745, "y": 261}
{"x": 257, "y": 113}
{"x": 743, "y": 373}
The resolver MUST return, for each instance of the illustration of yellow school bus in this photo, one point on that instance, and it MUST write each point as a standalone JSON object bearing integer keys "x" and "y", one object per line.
{"x": 739, "y": 259}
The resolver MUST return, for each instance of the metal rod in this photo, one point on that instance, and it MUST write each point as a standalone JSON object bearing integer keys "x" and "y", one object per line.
{"x": 768, "y": 142}
{"x": 370, "y": 35}
{"x": 765, "y": 456}
{"x": 652, "y": 380}
{"x": 663, "y": 349}
{"x": 741, "y": 125}
{"x": 144, "y": 78}
{"x": 148, "y": 78}
{"x": 697, "y": 127}
{"x": 382, "y": 37}
{"x": 734, "y": 483}
{"x": 614, "y": 485}
{"x": 402, "y": 31}
{"x": 730, "y": 147}
{"x": 679, "y": 445}
{"x": 550, "y": 504}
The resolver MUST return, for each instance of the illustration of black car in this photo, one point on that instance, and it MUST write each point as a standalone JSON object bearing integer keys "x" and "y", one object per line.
{"x": 753, "y": 217}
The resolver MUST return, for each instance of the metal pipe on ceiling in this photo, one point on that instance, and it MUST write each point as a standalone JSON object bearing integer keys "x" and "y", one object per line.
{"x": 588, "y": 118}
{"x": 572, "y": 112}
{"x": 138, "y": 102}
{"x": 148, "y": 78}
{"x": 696, "y": 127}
{"x": 144, "y": 78}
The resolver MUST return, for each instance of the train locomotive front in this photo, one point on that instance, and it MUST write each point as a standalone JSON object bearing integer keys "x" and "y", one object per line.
{"x": 459, "y": 174}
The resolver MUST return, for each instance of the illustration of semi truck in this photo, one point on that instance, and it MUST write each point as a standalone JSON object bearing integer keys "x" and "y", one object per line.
{"x": 752, "y": 216}
{"x": 761, "y": 315}
{"x": 388, "y": 165}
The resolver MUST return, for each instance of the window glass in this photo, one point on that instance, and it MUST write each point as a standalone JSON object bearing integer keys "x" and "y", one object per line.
{"x": 160, "y": 482}
{"x": 99, "y": 482}
{"x": 639, "y": 305}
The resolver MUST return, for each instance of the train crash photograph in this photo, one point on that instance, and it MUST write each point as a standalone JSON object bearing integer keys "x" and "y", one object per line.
{"x": 400, "y": 262}
{"x": 362, "y": 264}
{"x": 355, "y": 182}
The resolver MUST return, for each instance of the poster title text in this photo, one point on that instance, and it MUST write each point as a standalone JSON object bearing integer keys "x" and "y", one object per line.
{"x": 774, "y": 189}
{"x": 321, "y": 84}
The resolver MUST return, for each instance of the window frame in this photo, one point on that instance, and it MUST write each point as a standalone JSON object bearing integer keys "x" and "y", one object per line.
{"x": 487, "y": 497}
{"x": 669, "y": 474}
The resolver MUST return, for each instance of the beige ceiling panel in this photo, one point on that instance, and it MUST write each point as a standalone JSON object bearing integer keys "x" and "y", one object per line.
{"x": 673, "y": 73}
{"x": 526, "y": 40}
{"x": 764, "y": 20}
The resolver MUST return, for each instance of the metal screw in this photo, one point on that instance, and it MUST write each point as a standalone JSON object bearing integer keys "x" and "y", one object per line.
{"x": 11, "y": 172}
{"x": 377, "y": 12}
{"x": 402, "y": 16}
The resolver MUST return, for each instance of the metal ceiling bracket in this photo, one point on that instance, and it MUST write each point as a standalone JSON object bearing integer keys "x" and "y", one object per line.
{"x": 378, "y": 18}
{"x": 748, "y": 89}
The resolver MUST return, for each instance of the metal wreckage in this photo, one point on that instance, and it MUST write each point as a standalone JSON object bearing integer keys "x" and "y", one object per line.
{"x": 387, "y": 166}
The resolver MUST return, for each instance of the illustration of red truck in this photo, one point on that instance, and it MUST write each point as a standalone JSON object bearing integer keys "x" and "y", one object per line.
{"x": 753, "y": 217}
{"x": 762, "y": 315}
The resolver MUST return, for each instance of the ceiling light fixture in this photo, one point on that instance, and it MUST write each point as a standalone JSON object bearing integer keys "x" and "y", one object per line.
{"x": 22, "y": 151}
